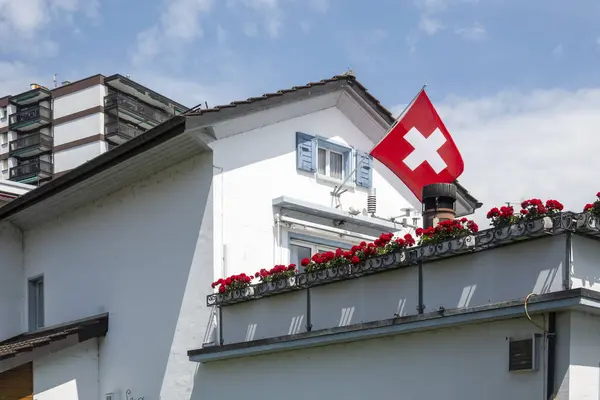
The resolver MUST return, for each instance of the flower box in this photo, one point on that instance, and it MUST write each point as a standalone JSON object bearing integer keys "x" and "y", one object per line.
{"x": 380, "y": 263}
{"x": 235, "y": 294}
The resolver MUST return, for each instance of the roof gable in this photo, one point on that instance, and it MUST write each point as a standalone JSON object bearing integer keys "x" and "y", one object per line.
{"x": 200, "y": 121}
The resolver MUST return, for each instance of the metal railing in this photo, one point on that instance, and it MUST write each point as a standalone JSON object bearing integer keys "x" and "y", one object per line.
{"x": 30, "y": 114}
{"x": 122, "y": 129}
{"x": 36, "y": 139}
{"x": 135, "y": 106}
{"x": 31, "y": 168}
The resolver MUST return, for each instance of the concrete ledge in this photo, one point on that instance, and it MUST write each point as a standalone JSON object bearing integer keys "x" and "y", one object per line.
{"x": 566, "y": 299}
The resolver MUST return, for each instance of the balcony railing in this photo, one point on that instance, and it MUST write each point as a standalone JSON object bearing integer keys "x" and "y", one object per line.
{"x": 134, "y": 106}
{"x": 406, "y": 283}
{"x": 33, "y": 116}
{"x": 120, "y": 132}
{"x": 31, "y": 144}
{"x": 32, "y": 169}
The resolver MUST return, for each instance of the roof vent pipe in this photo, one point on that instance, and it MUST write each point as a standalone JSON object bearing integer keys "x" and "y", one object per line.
{"x": 372, "y": 201}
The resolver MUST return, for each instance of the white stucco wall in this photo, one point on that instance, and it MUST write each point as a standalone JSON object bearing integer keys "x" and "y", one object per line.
{"x": 259, "y": 166}
{"x": 79, "y": 101}
{"x": 79, "y": 128}
{"x": 584, "y": 371}
{"x": 12, "y": 287}
{"x": 585, "y": 270}
{"x": 470, "y": 363}
{"x": 69, "y": 374}
{"x": 71, "y": 158}
{"x": 142, "y": 254}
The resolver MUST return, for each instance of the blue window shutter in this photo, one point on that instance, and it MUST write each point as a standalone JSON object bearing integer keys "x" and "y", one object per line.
{"x": 364, "y": 169}
{"x": 306, "y": 152}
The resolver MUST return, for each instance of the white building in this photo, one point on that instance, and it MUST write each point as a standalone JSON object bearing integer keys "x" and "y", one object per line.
{"x": 47, "y": 132}
{"x": 107, "y": 268}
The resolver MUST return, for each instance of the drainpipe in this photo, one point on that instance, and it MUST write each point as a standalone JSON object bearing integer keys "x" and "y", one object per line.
{"x": 551, "y": 356}
{"x": 277, "y": 247}
{"x": 223, "y": 271}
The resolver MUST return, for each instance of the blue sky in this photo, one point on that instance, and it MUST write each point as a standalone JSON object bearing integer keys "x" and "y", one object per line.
{"x": 519, "y": 74}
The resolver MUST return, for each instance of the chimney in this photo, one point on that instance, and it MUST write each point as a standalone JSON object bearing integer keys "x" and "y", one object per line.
{"x": 439, "y": 203}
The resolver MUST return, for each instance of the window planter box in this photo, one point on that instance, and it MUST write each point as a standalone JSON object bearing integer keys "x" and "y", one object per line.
{"x": 234, "y": 295}
{"x": 279, "y": 285}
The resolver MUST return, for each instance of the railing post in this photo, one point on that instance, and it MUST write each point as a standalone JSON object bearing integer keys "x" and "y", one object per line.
{"x": 308, "y": 311}
{"x": 568, "y": 262}
{"x": 420, "y": 306}
{"x": 221, "y": 341}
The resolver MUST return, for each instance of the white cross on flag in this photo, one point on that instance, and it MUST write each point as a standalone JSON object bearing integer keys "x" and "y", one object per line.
{"x": 419, "y": 149}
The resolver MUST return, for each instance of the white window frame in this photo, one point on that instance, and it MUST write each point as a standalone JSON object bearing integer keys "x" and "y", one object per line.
{"x": 328, "y": 153}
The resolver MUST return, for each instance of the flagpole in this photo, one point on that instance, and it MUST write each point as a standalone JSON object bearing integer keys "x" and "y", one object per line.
{"x": 337, "y": 189}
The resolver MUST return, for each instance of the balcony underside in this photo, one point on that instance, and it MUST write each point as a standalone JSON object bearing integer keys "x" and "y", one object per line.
{"x": 30, "y": 125}
{"x": 31, "y": 96}
{"x": 131, "y": 116}
{"x": 132, "y": 88}
{"x": 31, "y": 151}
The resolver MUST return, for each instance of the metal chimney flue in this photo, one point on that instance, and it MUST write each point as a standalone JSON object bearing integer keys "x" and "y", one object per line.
{"x": 439, "y": 203}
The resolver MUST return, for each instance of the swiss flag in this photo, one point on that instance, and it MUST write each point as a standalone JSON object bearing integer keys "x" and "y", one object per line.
{"x": 419, "y": 149}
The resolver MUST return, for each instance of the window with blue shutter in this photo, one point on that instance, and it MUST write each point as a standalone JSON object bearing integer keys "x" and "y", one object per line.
{"x": 306, "y": 149}
{"x": 364, "y": 169}
{"x": 327, "y": 159}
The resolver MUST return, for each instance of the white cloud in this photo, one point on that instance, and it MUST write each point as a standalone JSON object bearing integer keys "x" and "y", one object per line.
{"x": 26, "y": 23}
{"x": 15, "y": 77}
{"x": 430, "y": 21}
{"x": 306, "y": 26}
{"x": 320, "y": 6}
{"x": 179, "y": 24}
{"x": 476, "y": 32}
{"x": 268, "y": 10}
{"x": 516, "y": 145}
{"x": 250, "y": 29}
{"x": 558, "y": 51}
{"x": 430, "y": 25}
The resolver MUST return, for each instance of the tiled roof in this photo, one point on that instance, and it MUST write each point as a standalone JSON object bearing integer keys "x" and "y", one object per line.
{"x": 348, "y": 78}
{"x": 85, "y": 329}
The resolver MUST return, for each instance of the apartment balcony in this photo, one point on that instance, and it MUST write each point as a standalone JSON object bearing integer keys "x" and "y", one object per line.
{"x": 31, "y": 145}
{"x": 493, "y": 269}
{"x": 35, "y": 95}
{"x": 29, "y": 119}
{"x": 119, "y": 132}
{"x": 32, "y": 171}
{"x": 134, "y": 111}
